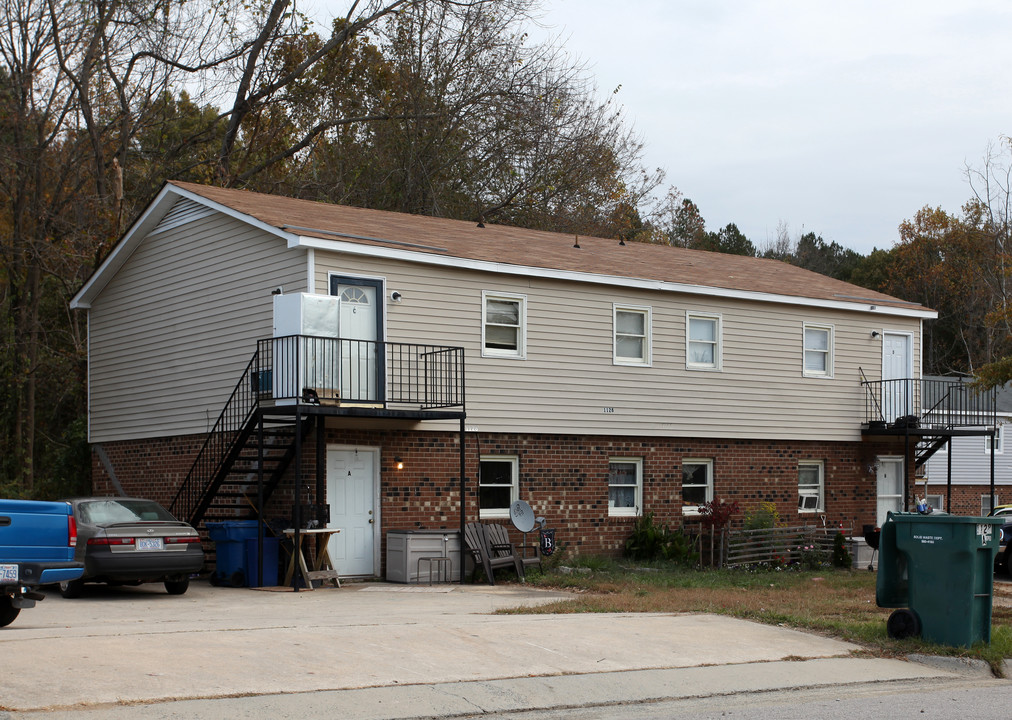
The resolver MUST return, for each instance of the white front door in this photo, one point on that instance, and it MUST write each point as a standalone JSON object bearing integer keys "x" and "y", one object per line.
{"x": 359, "y": 329}
{"x": 890, "y": 488}
{"x": 897, "y": 372}
{"x": 351, "y": 489}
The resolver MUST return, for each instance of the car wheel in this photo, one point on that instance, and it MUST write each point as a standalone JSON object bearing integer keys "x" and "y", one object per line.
{"x": 177, "y": 587}
{"x": 1006, "y": 562}
{"x": 7, "y": 611}
{"x": 71, "y": 588}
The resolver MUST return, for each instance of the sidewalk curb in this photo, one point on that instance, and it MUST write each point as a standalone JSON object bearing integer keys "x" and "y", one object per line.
{"x": 960, "y": 665}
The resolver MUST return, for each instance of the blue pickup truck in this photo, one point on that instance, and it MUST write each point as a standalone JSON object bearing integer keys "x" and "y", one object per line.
{"x": 37, "y": 542}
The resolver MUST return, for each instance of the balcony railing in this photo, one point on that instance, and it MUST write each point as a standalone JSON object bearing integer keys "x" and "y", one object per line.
{"x": 934, "y": 403}
{"x": 364, "y": 372}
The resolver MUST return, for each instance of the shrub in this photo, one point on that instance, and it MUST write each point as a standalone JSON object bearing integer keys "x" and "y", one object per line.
{"x": 764, "y": 517}
{"x": 810, "y": 557}
{"x": 650, "y": 541}
{"x": 717, "y": 513}
{"x": 841, "y": 555}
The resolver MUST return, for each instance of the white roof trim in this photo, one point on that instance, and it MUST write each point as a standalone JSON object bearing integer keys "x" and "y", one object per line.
{"x": 627, "y": 282}
{"x": 145, "y": 223}
{"x": 167, "y": 196}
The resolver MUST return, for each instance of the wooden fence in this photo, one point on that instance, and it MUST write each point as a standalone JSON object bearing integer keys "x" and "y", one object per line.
{"x": 781, "y": 545}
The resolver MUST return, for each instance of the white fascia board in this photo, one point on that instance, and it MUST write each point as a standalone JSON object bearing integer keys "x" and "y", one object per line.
{"x": 626, "y": 282}
{"x": 144, "y": 224}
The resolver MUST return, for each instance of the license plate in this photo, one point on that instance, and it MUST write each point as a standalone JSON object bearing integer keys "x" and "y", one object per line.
{"x": 8, "y": 572}
{"x": 149, "y": 543}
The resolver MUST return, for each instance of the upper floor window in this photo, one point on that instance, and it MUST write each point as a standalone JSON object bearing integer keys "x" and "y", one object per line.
{"x": 697, "y": 485}
{"x": 498, "y": 482}
{"x": 997, "y": 443}
{"x": 625, "y": 486}
{"x": 810, "y": 485}
{"x": 632, "y": 335}
{"x": 503, "y": 325}
{"x": 818, "y": 351}
{"x": 703, "y": 341}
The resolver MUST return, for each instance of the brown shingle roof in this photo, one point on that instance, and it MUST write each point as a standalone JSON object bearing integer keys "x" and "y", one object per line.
{"x": 533, "y": 248}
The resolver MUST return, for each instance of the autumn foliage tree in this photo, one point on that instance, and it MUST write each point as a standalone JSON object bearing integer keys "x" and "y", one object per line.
{"x": 441, "y": 107}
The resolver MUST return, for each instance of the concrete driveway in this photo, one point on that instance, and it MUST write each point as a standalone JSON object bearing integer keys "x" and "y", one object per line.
{"x": 140, "y": 645}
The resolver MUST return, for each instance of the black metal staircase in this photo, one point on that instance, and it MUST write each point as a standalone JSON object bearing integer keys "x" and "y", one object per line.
{"x": 931, "y": 411}
{"x": 220, "y": 476}
{"x": 254, "y": 439}
{"x": 236, "y": 495}
{"x": 928, "y": 445}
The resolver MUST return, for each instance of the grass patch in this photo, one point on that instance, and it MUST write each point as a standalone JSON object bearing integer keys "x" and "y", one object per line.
{"x": 840, "y": 603}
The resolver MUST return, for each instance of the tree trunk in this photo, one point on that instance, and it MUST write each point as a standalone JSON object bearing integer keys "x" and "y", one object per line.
{"x": 26, "y": 360}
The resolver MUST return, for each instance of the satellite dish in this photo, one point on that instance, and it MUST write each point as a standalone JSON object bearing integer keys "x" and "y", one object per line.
{"x": 522, "y": 516}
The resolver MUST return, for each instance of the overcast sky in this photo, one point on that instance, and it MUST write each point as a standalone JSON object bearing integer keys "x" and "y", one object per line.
{"x": 840, "y": 118}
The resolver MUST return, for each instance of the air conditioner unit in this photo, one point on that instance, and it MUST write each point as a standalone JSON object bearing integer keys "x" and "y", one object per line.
{"x": 808, "y": 502}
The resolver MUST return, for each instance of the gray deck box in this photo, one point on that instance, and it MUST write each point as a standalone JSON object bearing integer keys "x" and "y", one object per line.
{"x": 405, "y": 547}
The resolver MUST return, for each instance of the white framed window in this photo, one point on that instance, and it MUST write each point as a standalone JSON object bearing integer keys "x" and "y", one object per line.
{"x": 818, "y": 350}
{"x": 503, "y": 325}
{"x": 936, "y": 502}
{"x": 987, "y": 504}
{"x": 631, "y": 335}
{"x": 996, "y": 443}
{"x": 810, "y": 486}
{"x": 625, "y": 486}
{"x": 498, "y": 481}
{"x": 697, "y": 484}
{"x": 702, "y": 341}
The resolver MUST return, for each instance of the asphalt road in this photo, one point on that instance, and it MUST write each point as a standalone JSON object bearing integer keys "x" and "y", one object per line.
{"x": 935, "y": 700}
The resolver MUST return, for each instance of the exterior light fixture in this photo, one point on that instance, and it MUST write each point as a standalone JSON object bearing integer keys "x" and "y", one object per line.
{"x": 398, "y": 463}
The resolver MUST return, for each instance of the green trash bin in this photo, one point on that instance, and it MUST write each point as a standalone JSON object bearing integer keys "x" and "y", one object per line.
{"x": 939, "y": 570}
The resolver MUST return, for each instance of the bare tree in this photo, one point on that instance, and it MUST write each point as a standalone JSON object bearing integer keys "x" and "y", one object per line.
{"x": 76, "y": 80}
{"x": 452, "y": 112}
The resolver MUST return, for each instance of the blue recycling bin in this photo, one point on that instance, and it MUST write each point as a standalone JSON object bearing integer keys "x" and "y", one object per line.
{"x": 230, "y": 563}
{"x": 270, "y": 568}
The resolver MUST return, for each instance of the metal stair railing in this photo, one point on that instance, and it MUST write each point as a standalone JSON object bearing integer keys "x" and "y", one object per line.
{"x": 225, "y": 439}
{"x": 935, "y": 403}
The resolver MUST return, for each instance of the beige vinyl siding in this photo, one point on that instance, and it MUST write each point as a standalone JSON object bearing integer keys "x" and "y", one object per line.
{"x": 568, "y": 379}
{"x": 172, "y": 332}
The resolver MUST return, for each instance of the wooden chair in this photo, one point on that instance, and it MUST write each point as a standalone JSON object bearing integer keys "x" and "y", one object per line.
{"x": 531, "y": 555}
{"x": 490, "y": 548}
{"x": 501, "y": 549}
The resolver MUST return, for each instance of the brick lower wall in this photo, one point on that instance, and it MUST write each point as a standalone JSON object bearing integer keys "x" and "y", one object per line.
{"x": 153, "y": 468}
{"x": 563, "y": 477}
